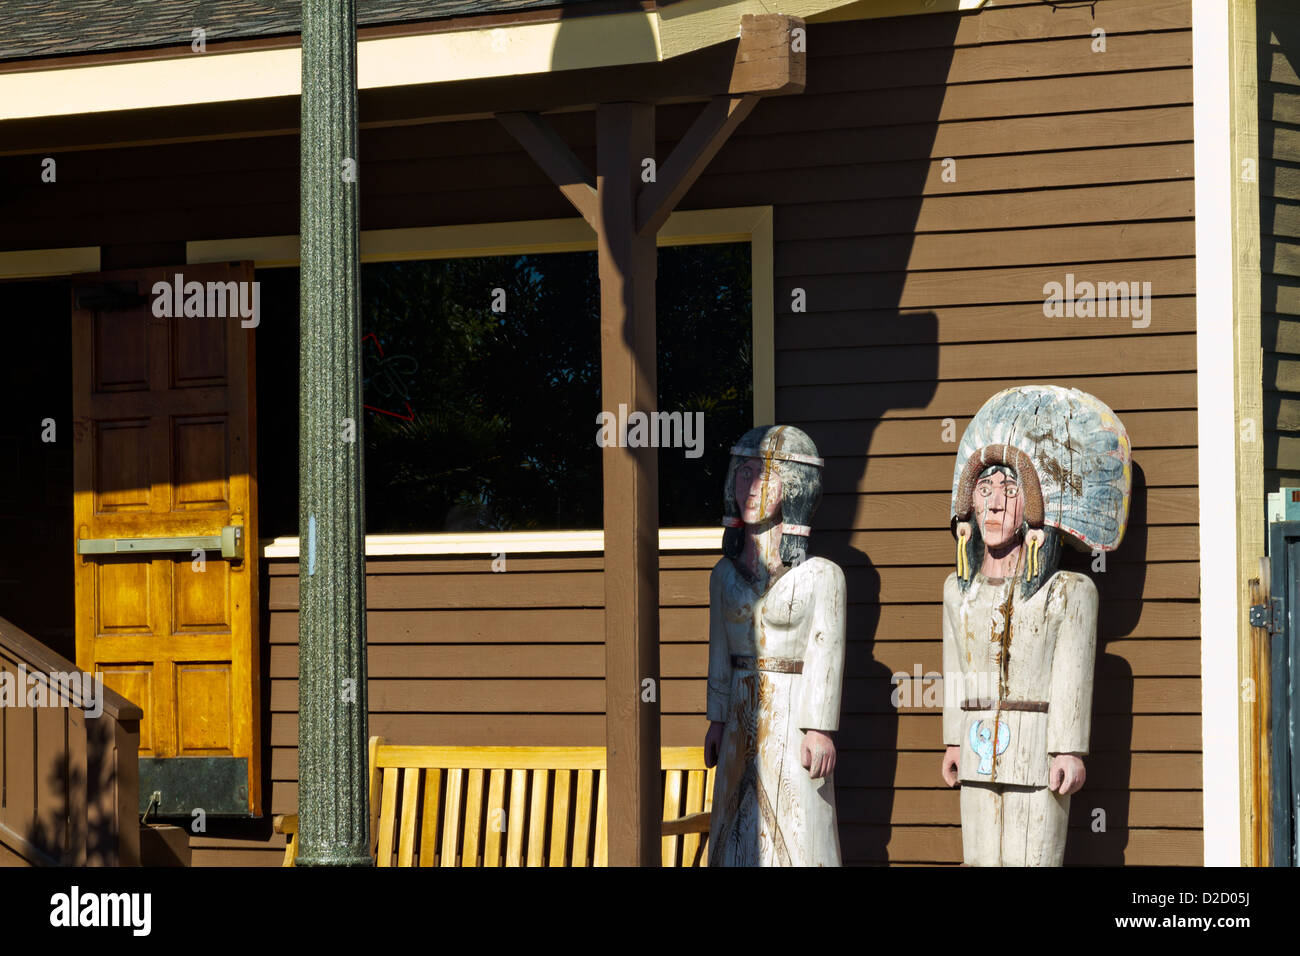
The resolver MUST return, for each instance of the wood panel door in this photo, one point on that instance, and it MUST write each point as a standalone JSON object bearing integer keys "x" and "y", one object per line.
{"x": 163, "y": 406}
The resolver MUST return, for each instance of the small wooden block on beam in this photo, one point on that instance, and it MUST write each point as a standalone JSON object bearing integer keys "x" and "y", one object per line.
{"x": 766, "y": 60}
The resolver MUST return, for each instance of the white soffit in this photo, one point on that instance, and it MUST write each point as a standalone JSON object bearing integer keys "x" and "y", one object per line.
{"x": 644, "y": 36}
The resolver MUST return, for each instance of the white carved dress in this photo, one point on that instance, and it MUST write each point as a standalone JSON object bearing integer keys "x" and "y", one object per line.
{"x": 1024, "y": 695}
{"x": 767, "y": 810}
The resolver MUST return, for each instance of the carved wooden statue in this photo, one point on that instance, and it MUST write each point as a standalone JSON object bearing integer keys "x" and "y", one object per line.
{"x": 1038, "y": 464}
{"x": 776, "y": 663}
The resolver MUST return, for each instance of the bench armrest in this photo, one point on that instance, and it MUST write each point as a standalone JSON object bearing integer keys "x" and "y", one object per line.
{"x": 691, "y": 823}
{"x": 287, "y": 823}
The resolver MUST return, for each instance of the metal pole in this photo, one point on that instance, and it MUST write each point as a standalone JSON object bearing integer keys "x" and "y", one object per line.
{"x": 332, "y": 787}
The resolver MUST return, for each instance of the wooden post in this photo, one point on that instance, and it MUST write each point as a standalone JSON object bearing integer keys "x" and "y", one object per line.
{"x": 626, "y": 213}
{"x": 1249, "y": 397}
{"x": 628, "y": 355}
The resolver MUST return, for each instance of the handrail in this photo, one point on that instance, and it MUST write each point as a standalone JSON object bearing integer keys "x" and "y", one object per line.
{"x": 77, "y": 784}
{"x": 17, "y": 641}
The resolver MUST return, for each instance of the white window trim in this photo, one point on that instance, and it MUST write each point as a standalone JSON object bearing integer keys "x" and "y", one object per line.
{"x": 506, "y": 543}
{"x": 47, "y": 263}
{"x": 752, "y": 224}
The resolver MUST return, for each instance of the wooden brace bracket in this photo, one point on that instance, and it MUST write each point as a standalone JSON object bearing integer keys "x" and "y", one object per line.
{"x": 770, "y": 60}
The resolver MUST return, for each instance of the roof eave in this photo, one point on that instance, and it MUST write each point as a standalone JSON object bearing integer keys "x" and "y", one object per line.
{"x": 468, "y": 53}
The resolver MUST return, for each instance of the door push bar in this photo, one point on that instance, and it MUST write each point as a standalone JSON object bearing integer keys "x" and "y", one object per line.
{"x": 230, "y": 543}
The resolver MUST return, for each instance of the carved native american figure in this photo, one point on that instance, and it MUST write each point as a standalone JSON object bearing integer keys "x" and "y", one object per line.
{"x": 776, "y": 663}
{"x": 1038, "y": 464}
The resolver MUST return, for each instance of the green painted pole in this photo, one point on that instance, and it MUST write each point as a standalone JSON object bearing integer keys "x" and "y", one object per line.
{"x": 333, "y": 812}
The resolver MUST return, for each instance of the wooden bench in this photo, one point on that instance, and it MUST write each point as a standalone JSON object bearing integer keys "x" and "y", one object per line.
{"x": 514, "y": 806}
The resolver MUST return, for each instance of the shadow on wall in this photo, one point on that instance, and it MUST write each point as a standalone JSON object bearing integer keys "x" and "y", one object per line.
{"x": 581, "y": 37}
{"x": 857, "y": 373}
{"x": 1100, "y": 821}
{"x": 856, "y": 368}
{"x": 69, "y": 804}
{"x": 845, "y": 273}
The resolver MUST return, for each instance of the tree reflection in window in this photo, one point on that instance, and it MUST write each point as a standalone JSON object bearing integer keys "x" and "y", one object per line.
{"x": 486, "y": 420}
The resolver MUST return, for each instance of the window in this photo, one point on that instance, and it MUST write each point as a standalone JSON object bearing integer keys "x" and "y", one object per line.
{"x": 482, "y": 388}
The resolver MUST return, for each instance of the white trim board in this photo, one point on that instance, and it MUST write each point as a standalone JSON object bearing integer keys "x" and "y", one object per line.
{"x": 506, "y": 543}
{"x": 512, "y": 49}
{"x": 1221, "y": 578}
{"x": 752, "y": 224}
{"x": 683, "y": 228}
{"x": 37, "y": 263}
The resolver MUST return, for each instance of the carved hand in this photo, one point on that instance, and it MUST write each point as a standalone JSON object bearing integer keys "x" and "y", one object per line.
{"x": 817, "y": 753}
{"x": 951, "y": 761}
{"x": 713, "y": 742}
{"x": 1066, "y": 775}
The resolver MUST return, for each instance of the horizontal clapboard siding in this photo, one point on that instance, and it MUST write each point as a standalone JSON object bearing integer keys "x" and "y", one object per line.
{"x": 1278, "y": 27}
{"x": 868, "y": 228}
{"x": 924, "y": 296}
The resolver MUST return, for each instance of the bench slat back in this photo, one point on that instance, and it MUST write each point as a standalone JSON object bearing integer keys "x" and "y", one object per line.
{"x": 515, "y": 806}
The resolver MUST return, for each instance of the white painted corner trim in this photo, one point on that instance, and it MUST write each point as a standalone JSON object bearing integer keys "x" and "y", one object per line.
{"x": 1221, "y": 578}
{"x": 506, "y": 543}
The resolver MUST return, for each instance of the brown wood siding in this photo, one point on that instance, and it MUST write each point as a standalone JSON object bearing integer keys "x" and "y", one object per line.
{"x": 1278, "y": 30}
{"x": 924, "y": 297}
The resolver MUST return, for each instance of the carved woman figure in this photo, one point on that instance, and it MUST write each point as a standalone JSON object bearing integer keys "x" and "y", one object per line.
{"x": 1037, "y": 465}
{"x": 776, "y": 663}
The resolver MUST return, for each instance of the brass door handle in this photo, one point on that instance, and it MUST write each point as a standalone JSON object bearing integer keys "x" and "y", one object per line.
{"x": 230, "y": 542}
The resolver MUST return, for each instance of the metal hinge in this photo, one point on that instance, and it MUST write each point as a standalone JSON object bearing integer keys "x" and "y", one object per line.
{"x": 1267, "y": 616}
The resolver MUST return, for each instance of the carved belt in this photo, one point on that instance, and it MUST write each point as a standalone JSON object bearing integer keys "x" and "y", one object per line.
{"x": 988, "y": 703}
{"x": 780, "y": 665}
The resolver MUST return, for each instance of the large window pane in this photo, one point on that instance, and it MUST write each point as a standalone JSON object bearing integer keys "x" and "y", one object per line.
{"x": 482, "y": 387}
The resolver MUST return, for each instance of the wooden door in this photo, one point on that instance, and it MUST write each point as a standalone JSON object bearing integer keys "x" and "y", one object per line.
{"x": 164, "y": 448}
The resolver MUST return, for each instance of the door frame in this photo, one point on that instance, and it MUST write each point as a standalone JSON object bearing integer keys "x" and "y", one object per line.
{"x": 1284, "y": 701}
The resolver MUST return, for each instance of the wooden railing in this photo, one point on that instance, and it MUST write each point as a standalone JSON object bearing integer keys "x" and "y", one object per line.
{"x": 69, "y": 780}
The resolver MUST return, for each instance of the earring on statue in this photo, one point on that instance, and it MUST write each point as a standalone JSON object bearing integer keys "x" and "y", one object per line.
{"x": 1034, "y": 538}
{"x": 963, "y": 561}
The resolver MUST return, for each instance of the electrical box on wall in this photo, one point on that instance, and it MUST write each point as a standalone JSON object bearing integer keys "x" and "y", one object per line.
{"x": 1284, "y": 505}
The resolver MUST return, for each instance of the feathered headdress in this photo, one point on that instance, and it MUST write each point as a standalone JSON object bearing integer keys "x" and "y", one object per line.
{"x": 1073, "y": 460}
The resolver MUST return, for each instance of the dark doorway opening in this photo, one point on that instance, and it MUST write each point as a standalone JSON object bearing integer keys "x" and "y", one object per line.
{"x": 36, "y": 436}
